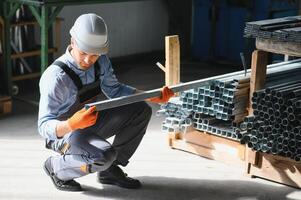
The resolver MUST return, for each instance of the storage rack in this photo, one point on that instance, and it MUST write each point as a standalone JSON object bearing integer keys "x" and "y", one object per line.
{"x": 36, "y": 52}
{"x": 254, "y": 164}
{"x": 45, "y": 12}
{"x": 258, "y": 164}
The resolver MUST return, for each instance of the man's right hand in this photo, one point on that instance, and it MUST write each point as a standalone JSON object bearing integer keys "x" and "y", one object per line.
{"x": 83, "y": 118}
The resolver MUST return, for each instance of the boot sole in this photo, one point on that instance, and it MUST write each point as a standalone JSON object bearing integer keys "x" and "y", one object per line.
{"x": 112, "y": 182}
{"x": 57, "y": 187}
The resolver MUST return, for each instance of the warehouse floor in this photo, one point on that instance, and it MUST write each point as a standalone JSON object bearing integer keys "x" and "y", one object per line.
{"x": 164, "y": 173}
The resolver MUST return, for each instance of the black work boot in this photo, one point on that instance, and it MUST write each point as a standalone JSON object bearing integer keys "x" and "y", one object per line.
{"x": 115, "y": 176}
{"x": 70, "y": 185}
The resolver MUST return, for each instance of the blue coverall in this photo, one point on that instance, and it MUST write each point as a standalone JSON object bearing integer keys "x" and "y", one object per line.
{"x": 85, "y": 151}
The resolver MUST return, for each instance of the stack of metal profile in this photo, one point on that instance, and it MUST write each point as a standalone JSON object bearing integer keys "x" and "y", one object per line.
{"x": 177, "y": 119}
{"x": 215, "y": 126}
{"x": 214, "y": 108}
{"x": 276, "y": 126}
{"x": 223, "y": 99}
{"x": 287, "y": 29}
{"x": 220, "y": 106}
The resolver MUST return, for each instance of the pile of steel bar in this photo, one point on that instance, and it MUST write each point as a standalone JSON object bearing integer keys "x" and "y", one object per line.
{"x": 222, "y": 99}
{"x": 215, "y": 126}
{"x": 287, "y": 29}
{"x": 212, "y": 108}
{"x": 276, "y": 125}
{"x": 219, "y": 107}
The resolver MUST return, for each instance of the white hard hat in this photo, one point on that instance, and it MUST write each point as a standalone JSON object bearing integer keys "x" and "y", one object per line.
{"x": 90, "y": 34}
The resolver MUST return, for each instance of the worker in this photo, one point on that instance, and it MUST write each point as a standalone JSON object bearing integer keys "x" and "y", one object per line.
{"x": 79, "y": 135}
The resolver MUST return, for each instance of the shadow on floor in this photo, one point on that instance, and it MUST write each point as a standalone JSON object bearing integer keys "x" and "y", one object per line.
{"x": 191, "y": 189}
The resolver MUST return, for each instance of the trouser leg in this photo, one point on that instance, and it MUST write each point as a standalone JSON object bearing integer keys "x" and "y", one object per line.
{"x": 84, "y": 153}
{"x": 128, "y": 124}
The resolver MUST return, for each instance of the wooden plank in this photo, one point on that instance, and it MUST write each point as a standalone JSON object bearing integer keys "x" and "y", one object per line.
{"x": 31, "y": 53}
{"x": 5, "y": 106}
{"x": 287, "y": 48}
{"x": 25, "y": 23}
{"x": 251, "y": 160}
{"x": 32, "y": 22}
{"x": 174, "y": 136}
{"x": 257, "y": 82}
{"x": 5, "y": 98}
{"x": 26, "y": 76}
{"x": 211, "y": 146}
{"x": 252, "y": 156}
{"x": 277, "y": 168}
{"x": 172, "y": 60}
{"x": 258, "y": 73}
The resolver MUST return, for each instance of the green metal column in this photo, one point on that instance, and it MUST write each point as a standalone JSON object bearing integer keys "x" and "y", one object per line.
{"x": 45, "y": 19}
{"x": 44, "y": 37}
{"x": 8, "y": 11}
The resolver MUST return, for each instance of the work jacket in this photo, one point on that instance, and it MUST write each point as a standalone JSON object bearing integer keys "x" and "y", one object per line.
{"x": 59, "y": 95}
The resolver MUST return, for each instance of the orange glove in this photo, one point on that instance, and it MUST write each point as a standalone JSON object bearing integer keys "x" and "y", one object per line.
{"x": 83, "y": 118}
{"x": 166, "y": 93}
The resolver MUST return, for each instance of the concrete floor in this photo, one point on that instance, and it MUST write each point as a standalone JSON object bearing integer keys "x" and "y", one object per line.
{"x": 165, "y": 173}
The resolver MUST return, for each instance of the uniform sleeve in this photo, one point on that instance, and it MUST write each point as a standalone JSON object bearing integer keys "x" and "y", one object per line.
{"x": 110, "y": 85}
{"x": 52, "y": 93}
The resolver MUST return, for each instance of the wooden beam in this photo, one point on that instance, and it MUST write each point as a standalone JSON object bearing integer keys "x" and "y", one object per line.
{"x": 251, "y": 160}
{"x": 210, "y": 146}
{"x": 257, "y": 82}
{"x": 277, "y": 168}
{"x": 258, "y": 73}
{"x": 286, "y": 48}
{"x": 26, "y": 76}
{"x": 172, "y": 60}
{"x": 5, "y": 105}
{"x": 30, "y": 53}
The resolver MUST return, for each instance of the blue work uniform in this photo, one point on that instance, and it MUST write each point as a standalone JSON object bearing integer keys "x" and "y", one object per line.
{"x": 64, "y": 89}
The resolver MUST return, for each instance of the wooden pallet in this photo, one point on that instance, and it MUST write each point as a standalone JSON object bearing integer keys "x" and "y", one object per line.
{"x": 5, "y": 105}
{"x": 209, "y": 146}
{"x": 276, "y": 168}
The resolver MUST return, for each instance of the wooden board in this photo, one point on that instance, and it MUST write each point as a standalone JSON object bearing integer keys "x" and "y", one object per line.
{"x": 172, "y": 60}
{"x": 286, "y": 48}
{"x": 5, "y": 105}
{"x": 276, "y": 168}
{"x": 209, "y": 146}
{"x": 258, "y": 73}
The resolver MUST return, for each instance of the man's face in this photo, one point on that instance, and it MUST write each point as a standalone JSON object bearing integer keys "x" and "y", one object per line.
{"x": 83, "y": 59}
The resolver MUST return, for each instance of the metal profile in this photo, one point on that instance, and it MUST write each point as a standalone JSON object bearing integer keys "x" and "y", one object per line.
{"x": 125, "y": 100}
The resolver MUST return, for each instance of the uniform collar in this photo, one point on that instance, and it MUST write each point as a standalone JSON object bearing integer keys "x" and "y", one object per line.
{"x": 71, "y": 60}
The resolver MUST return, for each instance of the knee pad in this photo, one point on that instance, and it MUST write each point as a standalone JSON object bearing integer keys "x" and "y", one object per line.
{"x": 105, "y": 159}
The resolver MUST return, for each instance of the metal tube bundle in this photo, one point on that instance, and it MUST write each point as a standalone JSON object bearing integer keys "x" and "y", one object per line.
{"x": 277, "y": 120}
{"x": 213, "y": 108}
{"x": 219, "y": 107}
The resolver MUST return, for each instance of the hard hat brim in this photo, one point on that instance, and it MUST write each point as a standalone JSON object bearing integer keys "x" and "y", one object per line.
{"x": 97, "y": 50}
{"x": 93, "y": 50}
